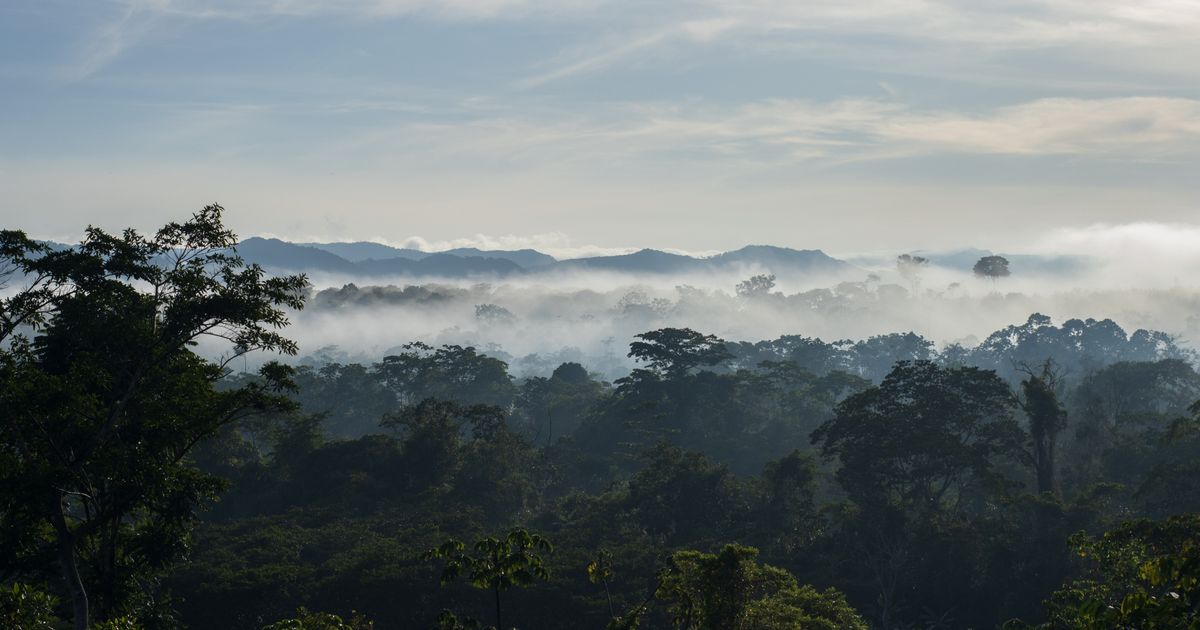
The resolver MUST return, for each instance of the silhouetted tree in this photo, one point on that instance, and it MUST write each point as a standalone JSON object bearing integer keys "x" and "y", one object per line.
{"x": 756, "y": 286}
{"x": 910, "y": 268}
{"x": 103, "y": 406}
{"x": 450, "y": 372}
{"x": 496, "y": 564}
{"x": 991, "y": 267}
{"x": 1047, "y": 418}
{"x": 673, "y": 352}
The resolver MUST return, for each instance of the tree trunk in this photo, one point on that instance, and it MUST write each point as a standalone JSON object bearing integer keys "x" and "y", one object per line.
{"x": 499, "y": 623}
{"x": 66, "y": 558}
{"x": 1045, "y": 469}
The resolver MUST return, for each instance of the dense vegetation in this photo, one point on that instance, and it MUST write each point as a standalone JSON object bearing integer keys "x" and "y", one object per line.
{"x": 1046, "y": 475}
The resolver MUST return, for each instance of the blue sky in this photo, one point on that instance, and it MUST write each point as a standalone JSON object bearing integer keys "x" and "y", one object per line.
{"x": 586, "y": 125}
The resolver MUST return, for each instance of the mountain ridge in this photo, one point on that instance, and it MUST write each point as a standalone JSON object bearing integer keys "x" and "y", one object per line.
{"x": 364, "y": 258}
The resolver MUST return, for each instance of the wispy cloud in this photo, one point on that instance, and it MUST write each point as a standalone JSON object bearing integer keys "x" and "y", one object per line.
{"x": 1155, "y": 33}
{"x": 133, "y": 22}
{"x": 596, "y": 58}
{"x": 784, "y": 130}
{"x": 1137, "y": 126}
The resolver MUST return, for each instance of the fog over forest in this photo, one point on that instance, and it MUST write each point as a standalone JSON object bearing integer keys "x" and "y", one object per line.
{"x": 1129, "y": 274}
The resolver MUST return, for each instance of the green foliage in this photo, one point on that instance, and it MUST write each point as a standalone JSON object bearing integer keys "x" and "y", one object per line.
{"x": 730, "y": 591}
{"x": 1047, "y": 418}
{"x": 104, "y": 404}
{"x": 674, "y": 352}
{"x": 682, "y": 496}
{"x": 599, "y": 570}
{"x": 447, "y": 620}
{"x": 1143, "y": 575}
{"x": 497, "y": 564}
{"x": 23, "y": 607}
{"x": 924, "y": 438}
{"x": 450, "y": 373}
{"x": 119, "y": 623}
{"x": 306, "y": 620}
{"x": 554, "y": 407}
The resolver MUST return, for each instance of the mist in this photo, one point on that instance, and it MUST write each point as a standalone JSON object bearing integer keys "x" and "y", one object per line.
{"x": 1141, "y": 276}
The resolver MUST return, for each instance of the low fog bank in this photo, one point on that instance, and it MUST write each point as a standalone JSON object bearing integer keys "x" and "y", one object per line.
{"x": 1141, "y": 276}
{"x": 537, "y": 325}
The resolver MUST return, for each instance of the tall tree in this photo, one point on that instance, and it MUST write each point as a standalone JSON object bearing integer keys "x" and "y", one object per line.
{"x": 923, "y": 438}
{"x": 991, "y": 267}
{"x": 1047, "y": 418}
{"x": 450, "y": 372}
{"x": 673, "y": 352}
{"x": 916, "y": 453}
{"x": 911, "y": 268}
{"x": 496, "y": 564}
{"x": 103, "y": 405}
{"x": 756, "y": 286}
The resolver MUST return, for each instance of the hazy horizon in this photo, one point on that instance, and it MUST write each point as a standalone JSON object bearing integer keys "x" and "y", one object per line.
{"x": 602, "y": 124}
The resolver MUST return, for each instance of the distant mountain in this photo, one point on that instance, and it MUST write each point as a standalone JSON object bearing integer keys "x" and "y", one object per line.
{"x": 642, "y": 261}
{"x": 374, "y": 259}
{"x": 362, "y": 251}
{"x": 783, "y": 260}
{"x": 282, "y": 256}
{"x": 777, "y": 260}
{"x": 527, "y": 258}
{"x": 276, "y": 255}
{"x": 441, "y": 265}
{"x": 359, "y": 251}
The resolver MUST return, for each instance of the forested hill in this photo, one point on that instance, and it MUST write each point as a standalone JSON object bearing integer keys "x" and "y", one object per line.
{"x": 374, "y": 259}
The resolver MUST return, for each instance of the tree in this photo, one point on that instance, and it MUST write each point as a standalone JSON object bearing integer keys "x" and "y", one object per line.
{"x": 600, "y": 571}
{"x": 1047, "y": 418}
{"x": 681, "y": 496}
{"x": 493, "y": 314}
{"x": 450, "y": 372}
{"x": 756, "y": 286}
{"x": 497, "y": 564}
{"x": 788, "y": 511}
{"x": 673, "y": 352}
{"x": 25, "y": 608}
{"x": 918, "y": 455}
{"x": 992, "y": 267}
{"x": 730, "y": 591}
{"x": 923, "y": 438}
{"x": 306, "y": 620}
{"x": 1143, "y": 575}
{"x": 553, "y": 407}
{"x": 910, "y": 268}
{"x": 874, "y": 357}
{"x": 103, "y": 406}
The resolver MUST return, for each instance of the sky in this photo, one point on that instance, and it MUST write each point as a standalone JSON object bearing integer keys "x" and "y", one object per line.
{"x": 587, "y": 126}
